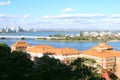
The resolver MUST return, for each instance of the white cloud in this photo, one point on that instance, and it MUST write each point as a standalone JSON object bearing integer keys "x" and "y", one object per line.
{"x": 87, "y": 20}
{"x": 46, "y": 17}
{"x": 5, "y": 3}
{"x": 26, "y": 16}
{"x": 78, "y": 16}
{"x": 67, "y": 10}
{"x": 8, "y": 17}
{"x": 66, "y": 20}
{"x": 22, "y": 20}
{"x": 1, "y": 15}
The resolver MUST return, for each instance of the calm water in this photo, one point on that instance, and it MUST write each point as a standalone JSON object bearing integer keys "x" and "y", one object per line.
{"x": 76, "y": 45}
{"x": 43, "y": 33}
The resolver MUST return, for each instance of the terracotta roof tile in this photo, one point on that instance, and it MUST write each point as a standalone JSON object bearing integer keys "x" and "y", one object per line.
{"x": 64, "y": 51}
{"x": 45, "y": 46}
{"x": 39, "y": 48}
{"x": 20, "y": 44}
{"x": 103, "y": 45}
{"x": 102, "y": 50}
{"x": 52, "y": 50}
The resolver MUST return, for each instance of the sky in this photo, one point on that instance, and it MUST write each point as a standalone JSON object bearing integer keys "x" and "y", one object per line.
{"x": 60, "y": 14}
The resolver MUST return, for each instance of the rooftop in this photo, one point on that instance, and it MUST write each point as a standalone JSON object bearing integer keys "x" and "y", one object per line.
{"x": 102, "y": 50}
{"x": 49, "y": 49}
{"x": 20, "y": 43}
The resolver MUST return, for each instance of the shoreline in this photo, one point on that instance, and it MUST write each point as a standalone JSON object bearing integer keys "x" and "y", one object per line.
{"x": 113, "y": 41}
{"x": 68, "y": 40}
{"x": 77, "y": 40}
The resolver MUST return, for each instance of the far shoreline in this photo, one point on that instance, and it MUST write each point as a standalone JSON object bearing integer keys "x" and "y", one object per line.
{"x": 76, "y": 40}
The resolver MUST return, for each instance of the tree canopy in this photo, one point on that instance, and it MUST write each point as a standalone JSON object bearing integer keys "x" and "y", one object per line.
{"x": 18, "y": 66}
{"x": 4, "y": 51}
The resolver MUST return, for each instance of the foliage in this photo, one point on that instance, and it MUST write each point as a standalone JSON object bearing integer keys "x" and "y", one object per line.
{"x": 4, "y": 55}
{"x": 57, "y": 35}
{"x": 18, "y": 66}
{"x": 4, "y": 50}
{"x": 82, "y": 71}
{"x": 47, "y": 68}
{"x": 82, "y": 37}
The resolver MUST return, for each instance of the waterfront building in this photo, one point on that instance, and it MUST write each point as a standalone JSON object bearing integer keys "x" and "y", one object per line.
{"x": 64, "y": 54}
{"x": 109, "y": 33}
{"x": 38, "y": 50}
{"x": 94, "y": 34}
{"x": 103, "y": 34}
{"x": 105, "y": 56}
{"x": 20, "y": 46}
{"x": 15, "y": 29}
{"x": 86, "y": 34}
{"x": 117, "y": 72}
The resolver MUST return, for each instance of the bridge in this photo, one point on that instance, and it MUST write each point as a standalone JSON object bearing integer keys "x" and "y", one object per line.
{"x": 29, "y": 37}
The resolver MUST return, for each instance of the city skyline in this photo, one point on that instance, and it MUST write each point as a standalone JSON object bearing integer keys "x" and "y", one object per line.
{"x": 54, "y": 14}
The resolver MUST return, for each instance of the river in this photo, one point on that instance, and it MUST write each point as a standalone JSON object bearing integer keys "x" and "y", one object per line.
{"x": 57, "y": 44}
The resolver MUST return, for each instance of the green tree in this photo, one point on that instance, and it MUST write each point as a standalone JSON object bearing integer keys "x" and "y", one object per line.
{"x": 4, "y": 55}
{"x": 19, "y": 65}
{"x": 89, "y": 61}
{"x": 82, "y": 71}
{"x": 4, "y": 51}
{"x": 68, "y": 38}
{"x": 50, "y": 35}
{"x": 47, "y": 68}
{"x": 81, "y": 36}
{"x": 57, "y": 35}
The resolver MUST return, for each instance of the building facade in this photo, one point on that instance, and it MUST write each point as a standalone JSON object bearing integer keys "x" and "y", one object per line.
{"x": 64, "y": 54}
{"x": 118, "y": 67}
{"x": 106, "y": 57}
{"x": 20, "y": 46}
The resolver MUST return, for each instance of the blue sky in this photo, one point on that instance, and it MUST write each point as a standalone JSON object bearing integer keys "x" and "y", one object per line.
{"x": 60, "y": 14}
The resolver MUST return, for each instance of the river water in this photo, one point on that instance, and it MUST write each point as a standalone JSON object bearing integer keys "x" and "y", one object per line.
{"x": 57, "y": 44}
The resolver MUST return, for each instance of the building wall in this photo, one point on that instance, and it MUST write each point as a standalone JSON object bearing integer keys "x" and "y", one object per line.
{"x": 61, "y": 57}
{"x": 21, "y": 48}
{"x": 33, "y": 55}
{"x": 106, "y": 63}
{"x": 13, "y": 48}
{"x": 118, "y": 67}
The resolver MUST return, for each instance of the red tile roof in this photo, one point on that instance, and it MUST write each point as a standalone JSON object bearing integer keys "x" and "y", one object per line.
{"x": 64, "y": 51}
{"x": 52, "y": 50}
{"x": 39, "y": 48}
{"x": 20, "y": 44}
{"x": 103, "y": 46}
{"x": 102, "y": 50}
